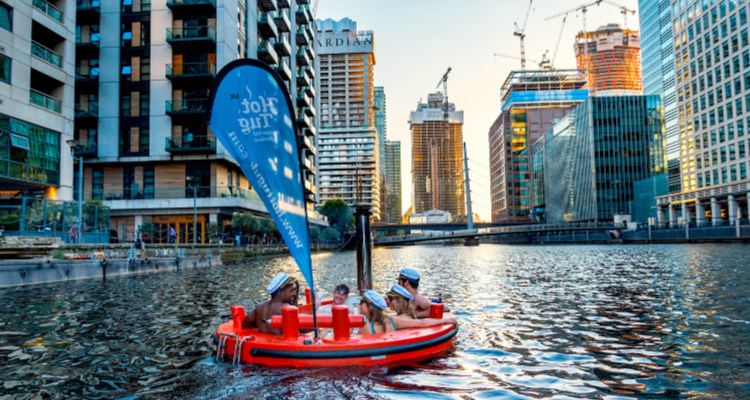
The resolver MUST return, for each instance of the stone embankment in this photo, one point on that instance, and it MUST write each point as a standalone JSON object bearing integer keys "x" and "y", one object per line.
{"x": 38, "y": 260}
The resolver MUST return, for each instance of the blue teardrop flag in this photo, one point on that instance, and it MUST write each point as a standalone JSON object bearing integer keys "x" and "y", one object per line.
{"x": 252, "y": 115}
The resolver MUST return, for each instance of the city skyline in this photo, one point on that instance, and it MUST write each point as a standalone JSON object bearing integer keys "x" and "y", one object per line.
{"x": 411, "y": 62}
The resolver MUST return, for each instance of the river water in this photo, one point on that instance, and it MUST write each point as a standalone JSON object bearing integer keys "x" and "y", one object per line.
{"x": 558, "y": 322}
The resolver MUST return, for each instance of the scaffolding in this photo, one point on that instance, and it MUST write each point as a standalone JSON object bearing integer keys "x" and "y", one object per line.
{"x": 611, "y": 58}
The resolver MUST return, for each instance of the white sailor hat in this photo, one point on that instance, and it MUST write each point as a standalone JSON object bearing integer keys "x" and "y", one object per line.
{"x": 400, "y": 291}
{"x": 279, "y": 282}
{"x": 374, "y": 299}
{"x": 409, "y": 274}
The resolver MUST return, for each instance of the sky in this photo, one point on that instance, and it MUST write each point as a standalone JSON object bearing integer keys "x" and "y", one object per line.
{"x": 417, "y": 40}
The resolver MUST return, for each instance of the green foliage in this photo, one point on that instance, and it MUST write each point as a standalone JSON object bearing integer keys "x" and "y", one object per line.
{"x": 314, "y": 232}
{"x": 251, "y": 225}
{"x": 330, "y": 234}
{"x": 340, "y": 215}
{"x": 10, "y": 222}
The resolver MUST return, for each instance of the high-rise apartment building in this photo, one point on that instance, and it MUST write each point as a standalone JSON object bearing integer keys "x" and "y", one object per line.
{"x": 657, "y": 59}
{"x": 380, "y": 126}
{"x": 533, "y": 101}
{"x": 348, "y": 139}
{"x": 611, "y": 58}
{"x": 596, "y": 153}
{"x": 141, "y": 94}
{"x": 437, "y": 156}
{"x": 37, "y": 53}
{"x": 392, "y": 165}
{"x": 712, "y": 59}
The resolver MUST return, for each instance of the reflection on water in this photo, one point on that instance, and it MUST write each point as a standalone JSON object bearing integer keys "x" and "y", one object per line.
{"x": 536, "y": 322}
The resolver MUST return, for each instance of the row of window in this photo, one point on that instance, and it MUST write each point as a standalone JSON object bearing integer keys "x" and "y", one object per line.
{"x": 718, "y": 176}
{"x": 717, "y": 156}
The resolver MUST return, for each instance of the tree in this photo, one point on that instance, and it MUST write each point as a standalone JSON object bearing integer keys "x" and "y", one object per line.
{"x": 339, "y": 215}
{"x": 246, "y": 223}
{"x": 314, "y": 232}
{"x": 330, "y": 234}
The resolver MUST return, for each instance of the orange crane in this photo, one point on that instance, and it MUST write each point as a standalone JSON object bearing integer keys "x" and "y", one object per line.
{"x": 521, "y": 33}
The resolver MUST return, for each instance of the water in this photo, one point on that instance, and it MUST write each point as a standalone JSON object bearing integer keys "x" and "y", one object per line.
{"x": 559, "y": 322}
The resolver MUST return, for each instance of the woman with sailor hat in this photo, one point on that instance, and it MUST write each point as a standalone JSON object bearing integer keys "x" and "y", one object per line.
{"x": 373, "y": 306}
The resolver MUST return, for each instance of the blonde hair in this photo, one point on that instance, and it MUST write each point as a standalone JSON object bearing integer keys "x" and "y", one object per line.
{"x": 376, "y": 316}
{"x": 405, "y": 309}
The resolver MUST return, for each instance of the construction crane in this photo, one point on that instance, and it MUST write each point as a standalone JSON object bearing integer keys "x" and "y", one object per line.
{"x": 623, "y": 10}
{"x": 544, "y": 64}
{"x": 315, "y": 9}
{"x": 520, "y": 32}
{"x": 444, "y": 81}
{"x": 557, "y": 45}
{"x": 584, "y": 8}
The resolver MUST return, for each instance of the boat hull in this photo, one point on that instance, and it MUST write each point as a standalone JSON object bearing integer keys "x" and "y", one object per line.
{"x": 399, "y": 347}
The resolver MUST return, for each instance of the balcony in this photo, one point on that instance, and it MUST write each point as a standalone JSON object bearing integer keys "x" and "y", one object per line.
{"x": 310, "y": 131}
{"x": 49, "y": 9}
{"x": 45, "y": 54}
{"x": 189, "y": 144}
{"x": 283, "y": 3}
{"x": 87, "y": 110}
{"x": 303, "y": 100}
{"x": 301, "y": 15}
{"x": 85, "y": 149}
{"x": 194, "y": 38}
{"x": 302, "y": 39}
{"x": 283, "y": 70}
{"x": 267, "y": 27}
{"x": 87, "y": 75}
{"x": 201, "y": 7}
{"x": 305, "y": 142}
{"x": 302, "y": 79}
{"x": 266, "y": 5}
{"x": 282, "y": 22}
{"x": 310, "y": 111}
{"x": 281, "y": 45}
{"x": 303, "y": 120}
{"x": 186, "y": 107}
{"x": 198, "y": 73}
{"x": 266, "y": 53}
{"x": 309, "y": 71}
{"x": 87, "y": 11}
{"x": 310, "y": 91}
{"x": 45, "y": 101}
{"x": 166, "y": 193}
{"x": 302, "y": 58}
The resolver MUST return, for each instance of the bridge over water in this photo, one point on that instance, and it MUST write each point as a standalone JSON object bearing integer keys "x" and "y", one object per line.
{"x": 472, "y": 236}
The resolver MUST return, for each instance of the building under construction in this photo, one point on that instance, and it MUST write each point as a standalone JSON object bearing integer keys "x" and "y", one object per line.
{"x": 437, "y": 157}
{"x": 611, "y": 57}
{"x": 533, "y": 101}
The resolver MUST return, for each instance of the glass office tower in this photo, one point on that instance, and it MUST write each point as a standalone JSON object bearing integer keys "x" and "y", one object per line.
{"x": 594, "y": 155}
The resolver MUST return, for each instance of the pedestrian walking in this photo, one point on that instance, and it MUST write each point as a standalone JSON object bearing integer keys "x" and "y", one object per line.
{"x": 172, "y": 235}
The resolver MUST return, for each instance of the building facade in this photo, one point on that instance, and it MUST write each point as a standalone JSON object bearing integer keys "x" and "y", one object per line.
{"x": 381, "y": 127}
{"x": 611, "y": 57}
{"x": 437, "y": 157}
{"x": 595, "y": 155}
{"x": 533, "y": 101}
{"x": 37, "y": 67}
{"x": 348, "y": 139}
{"x": 657, "y": 58}
{"x": 141, "y": 93}
{"x": 392, "y": 185}
{"x": 712, "y": 59}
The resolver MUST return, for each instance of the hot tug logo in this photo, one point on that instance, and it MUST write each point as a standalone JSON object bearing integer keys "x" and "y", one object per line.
{"x": 257, "y": 117}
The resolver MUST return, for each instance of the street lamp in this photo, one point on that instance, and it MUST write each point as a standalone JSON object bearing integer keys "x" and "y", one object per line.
{"x": 73, "y": 143}
{"x": 189, "y": 180}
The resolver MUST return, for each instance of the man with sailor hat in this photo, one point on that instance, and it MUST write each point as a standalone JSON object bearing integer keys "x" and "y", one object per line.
{"x": 283, "y": 289}
{"x": 409, "y": 279}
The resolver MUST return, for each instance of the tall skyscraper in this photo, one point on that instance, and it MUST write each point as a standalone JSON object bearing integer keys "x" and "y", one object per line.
{"x": 437, "y": 156}
{"x": 533, "y": 101}
{"x": 611, "y": 58}
{"x": 37, "y": 53}
{"x": 712, "y": 57}
{"x": 142, "y": 79}
{"x": 657, "y": 57}
{"x": 597, "y": 152}
{"x": 392, "y": 182}
{"x": 348, "y": 140}
{"x": 380, "y": 126}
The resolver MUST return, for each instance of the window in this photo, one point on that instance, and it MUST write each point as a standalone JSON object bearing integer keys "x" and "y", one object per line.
{"x": 4, "y": 69}
{"x": 6, "y": 17}
{"x": 130, "y": 188}
{"x": 97, "y": 184}
{"x": 143, "y": 141}
{"x": 723, "y": 154}
{"x": 732, "y": 154}
{"x": 148, "y": 182}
